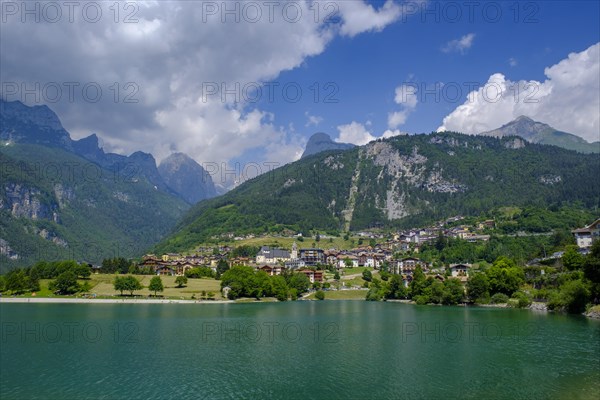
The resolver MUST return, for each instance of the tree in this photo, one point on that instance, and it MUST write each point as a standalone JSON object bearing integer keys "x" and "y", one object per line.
{"x": 572, "y": 259}
{"x": 384, "y": 275}
{"x": 66, "y": 283}
{"x": 119, "y": 284}
{"x": 367, "y": 275}
{"x": 453, "y": 291}
{"x": 16, "y": 281}
{"x": 320, "y": 295}
{"x": 435, "y": 291}
{"x": 156, "y": 285}
{"x": 591, "y": 271}
{"x": 132, "y": 284}
{"x": 478, "y": 286}
{"x": 396, "y": 288}
{"x": 127, "y": 283}
{"x": 298, "y": 281}
{"x": 505, "y": 277}
{"x": 2, "y": 283}
{"x": 418, "y": 283}
{"x": 336, "y": 276}
{"x": 280, "y": 287}
{"x": 239, "y": 280}
{"x": 82, "y": 271}
{"x": 181, "y": 281}
{"x": 222, "y": 267}
{"x": 573, "y": 297}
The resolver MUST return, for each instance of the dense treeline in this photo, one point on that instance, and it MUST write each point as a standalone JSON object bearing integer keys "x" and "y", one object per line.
{"x": 571, "y": 285}
{"x": 244, "y": 281}
{"x": 64, "y": 273}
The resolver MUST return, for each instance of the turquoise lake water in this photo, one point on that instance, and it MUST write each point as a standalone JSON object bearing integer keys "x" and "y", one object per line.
{"x": 294, "y": 350}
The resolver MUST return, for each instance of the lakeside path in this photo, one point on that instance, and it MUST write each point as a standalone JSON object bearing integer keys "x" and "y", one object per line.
{"x": 106, "y": 301}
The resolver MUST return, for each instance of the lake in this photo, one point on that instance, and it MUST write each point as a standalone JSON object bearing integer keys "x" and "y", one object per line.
{"x": 294, "y": 350}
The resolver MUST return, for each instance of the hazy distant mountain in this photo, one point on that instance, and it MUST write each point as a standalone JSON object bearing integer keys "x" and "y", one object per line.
{"x": 537, "y": 132}
{"x": 322, "y": 142}
{"x": 186, "y": 177}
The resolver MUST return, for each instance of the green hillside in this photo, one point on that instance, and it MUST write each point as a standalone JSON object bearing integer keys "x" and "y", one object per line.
{"x": 400, "y": 182}
{"x": 56, "y": 205}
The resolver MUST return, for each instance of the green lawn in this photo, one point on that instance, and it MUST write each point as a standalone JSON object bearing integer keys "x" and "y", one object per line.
{"x": 342, "y": 295}
{"x": 102, "y": 286}
{"x": 357, "y": 270}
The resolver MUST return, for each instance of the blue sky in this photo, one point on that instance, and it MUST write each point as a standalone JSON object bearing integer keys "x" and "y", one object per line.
{"x": 367, "y": 68}
{"x": 368, "y": 58}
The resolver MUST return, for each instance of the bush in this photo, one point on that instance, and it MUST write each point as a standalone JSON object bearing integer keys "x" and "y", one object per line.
{"x": 522, "y": 299}
{"x": 421, "y": 299}
{"x": 320, "y": 295}
{"x": 573, "y": 297}
{"x": 499, "y": 298}
{"x": 374, "y": 294}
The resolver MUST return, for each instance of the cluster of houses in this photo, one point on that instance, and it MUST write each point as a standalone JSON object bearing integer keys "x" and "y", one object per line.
{"x": 275, "y": 261}
{"x": 309, "y": 261}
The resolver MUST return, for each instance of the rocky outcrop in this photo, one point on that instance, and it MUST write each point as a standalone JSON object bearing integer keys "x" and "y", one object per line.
{"x": 25, "y": 202}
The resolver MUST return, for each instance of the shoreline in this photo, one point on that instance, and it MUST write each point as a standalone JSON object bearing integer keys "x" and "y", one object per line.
{"x": 536, "y": 307}
{"x": 59, "y": 300}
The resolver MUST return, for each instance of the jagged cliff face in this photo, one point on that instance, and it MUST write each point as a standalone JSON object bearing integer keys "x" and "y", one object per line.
{"x": 25, "y": 202}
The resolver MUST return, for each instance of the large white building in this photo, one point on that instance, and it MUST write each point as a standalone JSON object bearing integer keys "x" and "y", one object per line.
{"x": 588, "y": 235}
{"x": 269, "y": 255}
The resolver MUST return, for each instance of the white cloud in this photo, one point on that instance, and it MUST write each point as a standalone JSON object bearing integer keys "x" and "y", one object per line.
{"x": 389, "y": 133}
{"x": 405, "y": 97}
{"x": 312, "y": 120}
{"x": 513, "y": 62}
{"x": 459, "y": 45}
{"x": 173, "y": 51}
{"x": 397, "y": 118}
{"x": 568, "y": 100}
{"x": 359, "y": 17}
{"x": 355, "y": 133}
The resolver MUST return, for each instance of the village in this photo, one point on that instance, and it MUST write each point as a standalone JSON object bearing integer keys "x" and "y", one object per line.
{"x": 396, "y": 253}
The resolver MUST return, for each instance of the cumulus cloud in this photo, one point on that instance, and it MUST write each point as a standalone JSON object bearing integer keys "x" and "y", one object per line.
{"x": 359, "y": 17}
{"x": 407, "y": 99}
{"x": 459, "y": 45}
{"x": 312, "y": 120}
{"x": 568, "y": 100}
{"x": 355, "y": 133}
{"x": 167, "y": 74}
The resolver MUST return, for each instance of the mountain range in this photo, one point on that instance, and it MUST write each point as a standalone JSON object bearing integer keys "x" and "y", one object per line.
{"x": 537, "y": 132}
{"x": 404, "y": 181}
{"x": 62, "y": 198}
